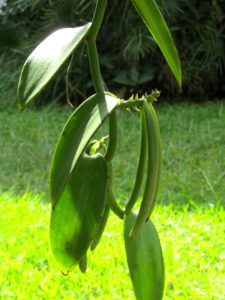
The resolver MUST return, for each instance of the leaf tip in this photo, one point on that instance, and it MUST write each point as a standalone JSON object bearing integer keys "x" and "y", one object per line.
{"x": 21, "y": 107}
{"x": 179, "y": 78}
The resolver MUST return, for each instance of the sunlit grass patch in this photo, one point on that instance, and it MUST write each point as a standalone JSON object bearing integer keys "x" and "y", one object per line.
{"x": 192, "y": 240}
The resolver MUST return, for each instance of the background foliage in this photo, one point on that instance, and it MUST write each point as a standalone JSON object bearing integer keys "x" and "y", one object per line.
{"x": 192, "y": 190}
{"x": 129, "y": 57}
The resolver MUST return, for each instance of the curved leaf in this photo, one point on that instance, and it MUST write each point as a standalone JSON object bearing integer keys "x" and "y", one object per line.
{"x": 152, "y": 17}
{"x": 145, "y": 259}
{"x": 45, "y": 61}
{"x": 74, "y": 137}
{"x": 75, "y": 217}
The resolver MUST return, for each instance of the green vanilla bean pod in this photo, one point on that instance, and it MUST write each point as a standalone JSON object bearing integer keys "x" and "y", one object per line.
{"x": 76, "y": 215}
{"x": 160, "y": 167}
{"x": 101, "y": 228}
{"x": 110, "y": 195}
{"x": 141, "y": 164}
{"x": 160, "y": 164}
{"x": 145, "y": 260}
{"x": 153, "y": 155}
{"x": 83, "y": 263}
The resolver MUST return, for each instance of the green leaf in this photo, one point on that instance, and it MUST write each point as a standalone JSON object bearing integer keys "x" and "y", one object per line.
{"x": 75, "y": 136}
{"x": 75, "y": 217}
{"x": 145, "y": 259}
{"x": 152, "y": 17}
{"x": 45, "y": 61}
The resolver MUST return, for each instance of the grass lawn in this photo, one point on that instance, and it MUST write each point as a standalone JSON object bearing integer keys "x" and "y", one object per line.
{"x": 189, "y": 216}
{"x": 193, "y": 139}
{"x": 192, "y": 241}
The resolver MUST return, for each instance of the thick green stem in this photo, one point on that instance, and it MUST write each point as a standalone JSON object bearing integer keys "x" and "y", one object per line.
{"x": 96, "y": 72}
{"x": 97, "y": 19}
{"x": 91, "y": 45}
{"x": 94, "y": 67}
{"x": 112, "y": 136}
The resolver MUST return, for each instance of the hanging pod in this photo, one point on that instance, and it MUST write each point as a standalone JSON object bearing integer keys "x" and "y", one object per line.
{"x": 153, "y": 168}
{"x": 76, "y": 215}
{"x": 114, "y": 206}
{"x": 142, "y": 161}
{"x": 145, "y": 260}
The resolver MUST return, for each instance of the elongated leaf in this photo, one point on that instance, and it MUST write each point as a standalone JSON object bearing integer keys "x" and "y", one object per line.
{"x": 45, "y": 60}
{"x": 73, "y": 139}
{"x": 150, "y": 14}
{"x": 145, "y": 259}
{"x": 75, "y": 217}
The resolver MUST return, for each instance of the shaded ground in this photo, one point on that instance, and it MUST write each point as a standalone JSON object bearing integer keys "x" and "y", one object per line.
{"x": 193, "y": 139}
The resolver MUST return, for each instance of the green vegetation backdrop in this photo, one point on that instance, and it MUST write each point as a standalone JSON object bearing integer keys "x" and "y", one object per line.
{"x": 190, "y": 213}
{"x": 129, "y": 57}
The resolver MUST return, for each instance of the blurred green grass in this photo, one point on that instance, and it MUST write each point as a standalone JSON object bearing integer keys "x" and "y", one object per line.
{"x": 193, "y": 139}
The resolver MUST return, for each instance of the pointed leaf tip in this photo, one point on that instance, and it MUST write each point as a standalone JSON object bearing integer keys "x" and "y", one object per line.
{"x": 21, "y": 108}
{"x": 45, "y": 61}
{"x": 152, "y": 17}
